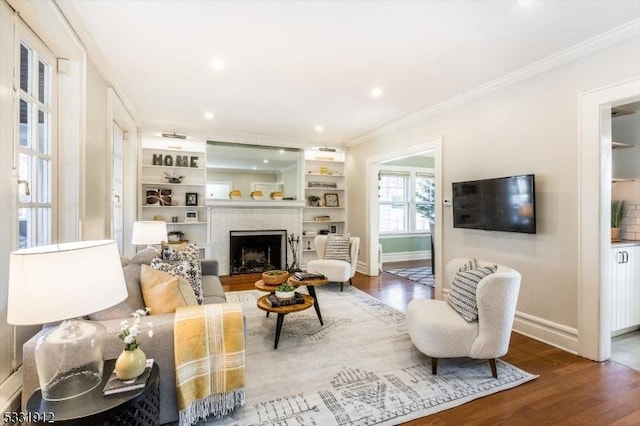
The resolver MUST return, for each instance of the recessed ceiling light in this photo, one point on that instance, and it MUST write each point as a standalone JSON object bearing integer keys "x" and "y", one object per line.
{"x": 376, "y": 92}
{"x": 319, "y": 128}
{"x": 254, "y": 168}
{"x": 265, "y": 161}
{"x": 209, "y": 115}
{"x": 281, "y": 151}
{"x": 218, "y": 64}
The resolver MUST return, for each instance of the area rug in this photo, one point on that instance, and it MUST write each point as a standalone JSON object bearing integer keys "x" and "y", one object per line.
{"x": 420, "y": 274}
{"x": 360, "y": 368}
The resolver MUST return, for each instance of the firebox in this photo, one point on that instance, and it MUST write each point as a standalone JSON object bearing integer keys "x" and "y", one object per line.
{"x": 257, "y": 251}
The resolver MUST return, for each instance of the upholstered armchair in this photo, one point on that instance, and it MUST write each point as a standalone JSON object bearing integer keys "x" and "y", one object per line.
{"x": 337, "y": 267}
{"x": 439, "y": 331}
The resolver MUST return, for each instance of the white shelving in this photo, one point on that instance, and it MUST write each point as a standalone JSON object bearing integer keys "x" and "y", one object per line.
{"x": 159, "y": 199}
{"x": 324, "y": 177}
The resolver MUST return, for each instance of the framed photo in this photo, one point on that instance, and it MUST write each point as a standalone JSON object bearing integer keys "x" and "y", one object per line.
{"x": 331, "y": 200}
{"x": 191, "y": 216}
{"x": 333, "y": 229}
{"x": 153, "y": 197}
{"x": 165, "y": 197}
{"x": 191, "y": 199}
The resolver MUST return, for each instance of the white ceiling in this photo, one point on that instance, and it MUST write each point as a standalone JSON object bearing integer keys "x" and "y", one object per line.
{"x": 292, "y": 65}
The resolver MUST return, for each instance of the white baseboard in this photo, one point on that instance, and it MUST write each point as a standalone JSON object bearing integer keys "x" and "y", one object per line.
{"x": 551, "y": 333}
{"x": 406, "y": 255}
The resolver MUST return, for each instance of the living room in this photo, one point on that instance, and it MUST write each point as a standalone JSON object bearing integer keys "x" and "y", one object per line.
{"x": 537, "y": 117}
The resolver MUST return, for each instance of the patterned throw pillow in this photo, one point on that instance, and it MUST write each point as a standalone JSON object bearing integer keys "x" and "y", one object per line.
{"x": 176, "y": 254}
{"x": 187, "y": 269}
{"x": 469, "y": 265}
{"x": 462, "y": 295}
{"x": 338, "y": 247}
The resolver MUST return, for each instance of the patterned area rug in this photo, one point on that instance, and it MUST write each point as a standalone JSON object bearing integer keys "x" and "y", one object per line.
{"x": 420, "y": 274}
{"x": 360, "y": 368}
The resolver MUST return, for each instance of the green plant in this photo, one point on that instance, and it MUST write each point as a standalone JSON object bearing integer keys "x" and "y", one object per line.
{"x": 617, "y": 213}
{"x": 180, "y": 234}
{"x": 285, "y": 287}
{"x": 312, "y": 198}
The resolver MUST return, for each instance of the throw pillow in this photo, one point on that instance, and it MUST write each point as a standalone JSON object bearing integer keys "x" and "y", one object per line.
{"x": 178, "y": 253}
{"x": 133, "y": 301}
{"x": 469, "y": 265}
{"x": 338, "y": 247}
{"x": 163, "y": 293}
{"x": 462, "y": 294}
{"x": 144, "y": 256}
{"x": 187, "y": 269}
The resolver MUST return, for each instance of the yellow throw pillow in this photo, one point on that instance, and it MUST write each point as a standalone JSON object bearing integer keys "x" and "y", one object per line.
{"x": 163, "y": 292}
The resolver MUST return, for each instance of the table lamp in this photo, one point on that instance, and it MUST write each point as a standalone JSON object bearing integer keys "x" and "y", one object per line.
{"x": 149, "y": 232}
{"x": 61, "y": 282}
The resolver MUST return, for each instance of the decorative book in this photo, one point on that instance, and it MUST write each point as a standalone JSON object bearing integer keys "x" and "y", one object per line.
{"x": 115, "y": 385}
{"x": 303, "y": 276}
{"x": 275, "y": 302}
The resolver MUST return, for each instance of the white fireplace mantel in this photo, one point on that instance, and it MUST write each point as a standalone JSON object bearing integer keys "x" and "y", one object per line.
{"x": 245, "y": 203}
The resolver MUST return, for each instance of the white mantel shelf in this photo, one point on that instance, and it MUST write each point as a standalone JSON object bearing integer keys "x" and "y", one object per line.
{"x": 274, "y": 204}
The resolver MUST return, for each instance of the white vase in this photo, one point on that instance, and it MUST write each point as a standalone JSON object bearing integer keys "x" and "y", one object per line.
{"x": 130, "y": 364}
{"x": 285, "y": 294}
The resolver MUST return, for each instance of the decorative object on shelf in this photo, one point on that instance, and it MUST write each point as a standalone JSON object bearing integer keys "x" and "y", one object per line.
{"x": 333, "y": 229}
{"x": 314, "y": 200}
{"x": 285, "y": 291}
{"x": 331, "y": 200}
{"x": 148, "y": 232}
{"x": 158, "y": 218}
{"x": 131, "y": 362}
{"x": 324, "y": 170}
{"x": 191, "y": 216}
{"x": 49, "y": 284}
{"x": 276, "y": 195}
{"x": 322, "y": 218}
{"x": 257, "y": 195}
{"x": 165, "y": 197}
{"x": 294, "y": 243}
{"x": 173, "y": 177}
{"x": 175, "y": 236}
{"x": 317, "y": 184}
{"x": 191, "y": 199}
{"x": 235, "y": 194}
{"x": 174, "y": 219}
{"x": 308, "y": 245}
{"x": 174, "y": 161}
{"x": 153, "y": 197}
{"x": 617, "y": 213}
{"x": 274, "y": 277}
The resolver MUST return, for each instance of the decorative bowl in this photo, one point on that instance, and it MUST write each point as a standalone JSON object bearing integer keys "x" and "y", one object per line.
{"x": 275, "y": 277}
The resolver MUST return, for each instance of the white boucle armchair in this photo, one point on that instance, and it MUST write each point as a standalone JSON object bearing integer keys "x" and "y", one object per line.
{"x": 338, "y": 271}
{"x": 438, "y": 331}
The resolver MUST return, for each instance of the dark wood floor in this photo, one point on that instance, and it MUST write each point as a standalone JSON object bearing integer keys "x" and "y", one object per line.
{"x": 570, "y": 390}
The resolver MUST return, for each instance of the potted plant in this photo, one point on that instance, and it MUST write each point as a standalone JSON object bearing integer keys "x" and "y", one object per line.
{"x": 617, "y": 213}
{"x": 314, "y": 200}
{"x": 175, "y": 235}
{"x": 285, "y": 291}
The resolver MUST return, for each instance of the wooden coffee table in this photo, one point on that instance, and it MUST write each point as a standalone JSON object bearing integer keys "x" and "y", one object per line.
{"x": 271, "y": 288}
{"x": 311, "y": 286}
{"x": 263, "y": 303}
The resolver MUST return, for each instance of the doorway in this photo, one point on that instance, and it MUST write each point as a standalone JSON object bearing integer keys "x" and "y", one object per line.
{"x": 434, "y": 148}
{"x": 594, "y": 269}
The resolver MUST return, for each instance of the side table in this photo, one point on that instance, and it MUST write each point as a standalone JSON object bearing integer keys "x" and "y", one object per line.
{"x": 140, "y": 407}
{"x": 263, "y": 304}
{"x": 311, "y": 287}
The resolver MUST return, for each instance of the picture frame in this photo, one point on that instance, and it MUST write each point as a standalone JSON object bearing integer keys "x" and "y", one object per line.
{"x": 191, "y": 199}
{"x": 191, "y": 216}
{"x": 333, "y": 229}
{"x": 331, "y": 200}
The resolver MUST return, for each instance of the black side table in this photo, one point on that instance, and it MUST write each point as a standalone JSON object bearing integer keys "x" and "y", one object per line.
{"x": 140, "y": 407}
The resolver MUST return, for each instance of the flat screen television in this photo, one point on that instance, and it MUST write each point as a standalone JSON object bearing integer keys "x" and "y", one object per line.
{"x": 498, "y": 204}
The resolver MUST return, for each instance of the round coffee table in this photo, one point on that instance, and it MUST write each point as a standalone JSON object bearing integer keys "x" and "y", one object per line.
{"x": 263, "y": 303}
{"x": 271, "y": 288}
{"x": 311, "y": 286}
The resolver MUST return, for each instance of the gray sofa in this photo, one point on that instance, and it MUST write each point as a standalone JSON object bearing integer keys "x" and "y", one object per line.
{"x": 159, "y": 347}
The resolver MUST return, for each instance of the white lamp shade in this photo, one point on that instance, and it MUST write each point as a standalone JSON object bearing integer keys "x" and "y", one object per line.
{"x": 62, "y": 281}
{"x": 149, "y": 232}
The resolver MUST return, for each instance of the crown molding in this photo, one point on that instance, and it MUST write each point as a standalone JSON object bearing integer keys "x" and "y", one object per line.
{"x": 572, "y": 53}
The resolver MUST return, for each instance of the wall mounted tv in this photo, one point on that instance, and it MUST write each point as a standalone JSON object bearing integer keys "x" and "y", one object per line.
{"x": 499, "y": 204}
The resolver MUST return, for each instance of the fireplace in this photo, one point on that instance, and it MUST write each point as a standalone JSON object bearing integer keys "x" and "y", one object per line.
{"x": 257, "y": 251}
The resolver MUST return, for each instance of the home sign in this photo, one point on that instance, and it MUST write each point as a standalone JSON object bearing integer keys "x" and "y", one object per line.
{"x": 175, "y": 160}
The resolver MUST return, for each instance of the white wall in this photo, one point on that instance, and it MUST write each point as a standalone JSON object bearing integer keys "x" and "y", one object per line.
{"x": 528, "y": 127}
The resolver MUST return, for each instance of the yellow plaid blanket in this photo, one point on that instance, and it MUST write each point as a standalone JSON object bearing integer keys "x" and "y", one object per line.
{"x": 209, "y": 355}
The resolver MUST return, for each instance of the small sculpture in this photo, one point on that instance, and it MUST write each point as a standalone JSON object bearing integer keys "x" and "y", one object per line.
{"x": 173, "y": 177}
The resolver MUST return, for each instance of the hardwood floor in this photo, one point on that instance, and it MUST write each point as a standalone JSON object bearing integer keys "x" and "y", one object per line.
{"x": 570, "y": 390}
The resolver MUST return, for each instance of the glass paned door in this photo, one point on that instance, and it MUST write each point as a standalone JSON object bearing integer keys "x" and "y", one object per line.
{"x": 35, "y": 146}
{"x": 117, "y": 211}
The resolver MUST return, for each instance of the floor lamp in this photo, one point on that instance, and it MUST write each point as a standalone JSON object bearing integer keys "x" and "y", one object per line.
{"x": 61, "y": 282}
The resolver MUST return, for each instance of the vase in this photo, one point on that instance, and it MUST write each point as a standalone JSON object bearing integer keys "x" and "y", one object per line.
{"x": 615, "y": 234}
{"x": 130, "y": 364}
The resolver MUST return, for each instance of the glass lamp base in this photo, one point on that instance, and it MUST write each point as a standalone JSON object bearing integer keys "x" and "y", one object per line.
{"x": 69, "y": 359}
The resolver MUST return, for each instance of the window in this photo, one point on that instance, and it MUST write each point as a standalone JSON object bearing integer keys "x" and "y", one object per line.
{"x": 35, "y": 147}
{"x": 406, "y": 201}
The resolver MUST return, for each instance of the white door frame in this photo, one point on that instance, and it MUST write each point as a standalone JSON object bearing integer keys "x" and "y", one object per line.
{"x": 371, "y": 173}
{"x": 594, "y": 217}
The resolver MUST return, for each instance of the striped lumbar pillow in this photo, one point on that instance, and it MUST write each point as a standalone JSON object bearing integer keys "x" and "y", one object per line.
{"x": 338, "y": 247}
{"x": 462, "y": 295}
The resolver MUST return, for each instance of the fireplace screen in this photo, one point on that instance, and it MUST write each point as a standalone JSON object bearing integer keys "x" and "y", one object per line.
{"x": 257, "y": 251}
